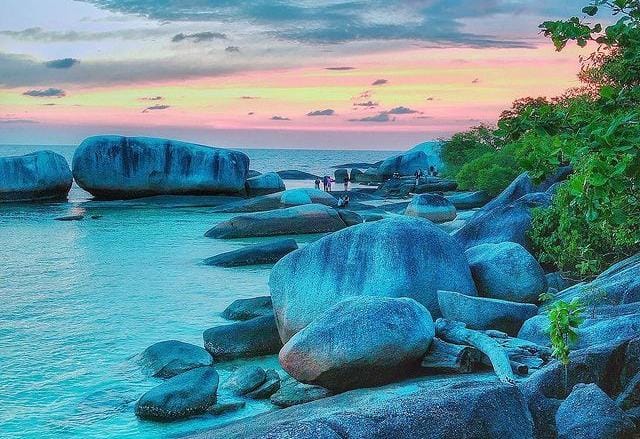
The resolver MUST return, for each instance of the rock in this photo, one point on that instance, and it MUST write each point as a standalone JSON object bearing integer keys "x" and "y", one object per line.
{"x": 300, "y": 196}
{"x": 355, "y": 175}
{"x": 188, "y": 394}
{"x": 407, "y": 163}
{"x": 95, "y": 217}
{"x": 172, "y": 357}
{"x": 435, "y": 184}
{"x": 397, "y": 187}
{"x": 264, "y": 184}
{"x": 468, "y": 200}
{"x": 558, "y": 281}
{"x": 70, "y": 218}
{"x": 370, "y": 175}
{"x": 247, "y": 309}
{"x": 433, "y": 207}
{"x": 506, "y": 271}
{"x": 311, "y": 218}
{"x": 245, "y": 379}
{"x": 252, "y": 338}
{"x": 360, "y": 342}
{"x": 340, "y": 175}
{"x": 350, "y": 217}
{"x": 395, "y": 257}
{"x": 293, "y": 392}
{"x": 268, "y": 388}
{"x": 267, "y": 253}
{"x": 465, "y": 406}
{"x": 39, "y": 176}
{"x": 521, "y": 186}
{"x": 371, "y": 217}
{"x": 291, "y": 174}
{"x": 483, "y": 313}
{"x": 220, "y": 408}
{"x": 116, "y": 167}
{"x": 253, "y": 173}
{"x": 630, "y": 396}
{"x": 590, "y": 414}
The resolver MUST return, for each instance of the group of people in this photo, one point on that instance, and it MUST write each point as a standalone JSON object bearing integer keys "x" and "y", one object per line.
{"x": 432, "y": 172}
{"x": 327, "y": 181}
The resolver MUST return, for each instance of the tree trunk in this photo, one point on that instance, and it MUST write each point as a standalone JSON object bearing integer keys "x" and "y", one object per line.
{"x": 447, "y": 357}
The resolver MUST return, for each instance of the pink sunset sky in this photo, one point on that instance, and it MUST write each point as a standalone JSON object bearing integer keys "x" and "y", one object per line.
{"x": 323, "y": 74}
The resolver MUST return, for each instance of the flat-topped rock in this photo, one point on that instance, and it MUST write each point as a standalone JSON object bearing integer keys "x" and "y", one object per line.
{"x": 264, "y": 184}
{"x": 247, "y": 309}
{"x": 169, "y": 358}
{"x": 251, "y": 338}
{"x": 394, "y": 257}
{"x": 435, "y": 208}
{"x": 484, "y": 313}
{"x": 311, "y": 218}
{"x": 256, "y": 254}
{"x": 39, "y": 176}
{"x": 117, "y": 167}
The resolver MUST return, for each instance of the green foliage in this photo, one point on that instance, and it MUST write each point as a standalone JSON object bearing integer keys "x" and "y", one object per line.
{"x": 466, "y": 146}
{"x": 491, "y": 172}
{"x": 564, "y": 319}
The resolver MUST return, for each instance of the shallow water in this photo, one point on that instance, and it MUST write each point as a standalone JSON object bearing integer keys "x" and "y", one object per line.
{"x": 78, "y": 300}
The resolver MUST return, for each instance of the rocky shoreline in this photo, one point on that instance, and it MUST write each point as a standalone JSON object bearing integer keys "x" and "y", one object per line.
{"x": 417, "y": 314}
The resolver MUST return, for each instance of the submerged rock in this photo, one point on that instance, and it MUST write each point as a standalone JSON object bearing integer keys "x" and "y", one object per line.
{"x": 264, "y": 184}
{"x": 395, "y": 257}
{"x": 70, "y": 218}
{"x": 433, "y": 207}
{"x": 188, "y": 394}
{"x": 590, "y": 414}
{"x": 506, "y": 271}
{"x": 117, "y": 167}
{"x": 360, "y": 342}
{"x": 172, "y": 357}
{"x": 247, "y": 309}
{"x": 245, "y": 379}
{"x": 293, "y": 392}
{"x": 39, "y": 176}
{"x": 251, "y": 338}
{"x": 312, "y": 218}
{"x": 267, "y": 253}
{"x": 483, "y": 313}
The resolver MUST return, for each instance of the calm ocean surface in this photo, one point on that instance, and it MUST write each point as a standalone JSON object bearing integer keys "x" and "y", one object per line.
{"x": 78, "y": 300}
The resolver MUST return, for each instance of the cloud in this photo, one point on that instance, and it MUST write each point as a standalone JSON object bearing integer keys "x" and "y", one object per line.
{"x": 232, "y": 49}
{"x": 381, "y": 117}
{"x": 63, "y": 63}
{"x": 155, "y": 108}
{"x": 40, "y": 34}
{"x": 365, "y": 104}
{"x": 279, "y": 118}
{"x": 401, "y": 110}
{"x": 46, "y": 93}
{"x": 379, "y": 82}
{"x": 327, "y": 112}
{"x": 198, "y": 37}
{"x": 17, "y": 121}
{"x": 152, "y": 98}
{"x": 340, "y": 68}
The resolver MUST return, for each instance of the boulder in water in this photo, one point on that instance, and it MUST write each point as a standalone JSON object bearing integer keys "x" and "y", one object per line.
{"x": 435, "y": 208}
{"x": 340, "y": 175}
{"x": 245, "y": 379}
{"x": 270, "y": 386}
{"x": 188, "y": 394}
{"x": 267, "y": 253}
{"x": 311, "y": 218}
{"x": 172, "y": 357}
{"x": 247, "y": 309}
{"x": 39, "y": 176}
{"x": 264, "y": 184}
{"x": 395, "y": 257}
{"x": 293, "y": 392}
{"x": 506, "y": 271}
{"x": 360, "y": 342}
{"x": 251, "y": 338}
{"x": 117, "y": 167}
{"x": 484, "y": 313}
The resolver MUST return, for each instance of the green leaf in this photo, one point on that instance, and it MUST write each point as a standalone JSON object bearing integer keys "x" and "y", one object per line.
{"x": 590, "y": 10}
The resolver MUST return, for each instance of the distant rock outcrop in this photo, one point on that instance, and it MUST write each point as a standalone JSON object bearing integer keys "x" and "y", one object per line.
{"x": 39, "y": 176}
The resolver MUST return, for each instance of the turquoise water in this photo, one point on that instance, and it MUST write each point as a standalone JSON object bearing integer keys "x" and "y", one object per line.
{"x": 78, "y": 300}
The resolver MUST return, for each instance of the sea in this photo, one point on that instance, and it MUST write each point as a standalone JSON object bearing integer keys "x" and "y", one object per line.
{"x": 80, "y": 300}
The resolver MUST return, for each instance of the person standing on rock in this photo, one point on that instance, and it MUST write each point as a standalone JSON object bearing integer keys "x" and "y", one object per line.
{"x": 329, "y": 181}
{"x": 346, "y": 183}
{"x": 418, "y": 175}
{"x": 325, "y": 183}
{"x": 317, "y": 183}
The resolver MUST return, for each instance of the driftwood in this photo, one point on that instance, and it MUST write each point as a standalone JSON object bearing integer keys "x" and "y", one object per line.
{"x": 457, "y": 333}
{"x": 454, "y": 358}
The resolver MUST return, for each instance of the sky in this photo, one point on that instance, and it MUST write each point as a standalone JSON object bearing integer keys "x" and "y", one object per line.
{"x": 340, "y": 74}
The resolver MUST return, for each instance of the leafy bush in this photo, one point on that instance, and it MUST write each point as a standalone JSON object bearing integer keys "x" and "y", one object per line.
{"x": 491, "y": 172}
{"x": 466, "y": 146}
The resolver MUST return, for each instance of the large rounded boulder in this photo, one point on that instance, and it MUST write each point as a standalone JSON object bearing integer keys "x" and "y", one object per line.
{"x": 359, "y": 342}
{"x": 506, "y": 271}
{"x": 433, "y": 207}
{"x": 407, "y": 163}
{"x": 301, "y": 196}
{"x": 169, "y": 358}
{"x": 39, "y": 176}
{"x": 395, "y": 257}
{"x": 116, "y": 167}
{"x": 188, "y": 394}
{"x": 264, "y": 184}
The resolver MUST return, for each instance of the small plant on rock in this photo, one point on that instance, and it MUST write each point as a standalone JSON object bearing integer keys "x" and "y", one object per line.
{"x": 564, "y": 319}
